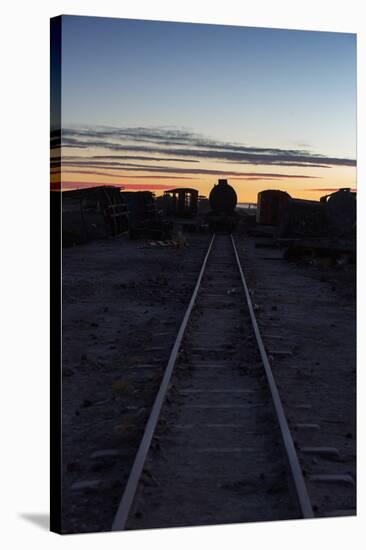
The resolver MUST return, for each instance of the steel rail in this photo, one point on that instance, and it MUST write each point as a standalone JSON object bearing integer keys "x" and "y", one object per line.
{"x": 121, "y": 517}
{"x": 291, "y": 454}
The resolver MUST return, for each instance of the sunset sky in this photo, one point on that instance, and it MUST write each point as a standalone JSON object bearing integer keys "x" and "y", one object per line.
{"x": 153, "y": 105}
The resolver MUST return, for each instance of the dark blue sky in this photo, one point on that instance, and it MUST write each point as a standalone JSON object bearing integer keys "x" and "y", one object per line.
{"x": 253, "y": 86}
{"x": 277, "y": 87}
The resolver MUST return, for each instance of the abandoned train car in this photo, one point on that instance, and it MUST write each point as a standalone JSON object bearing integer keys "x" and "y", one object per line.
{"x": 333, "y": 216}
{"x": 223, "y": 201}
{"x": 144, "y": 219}
{"x": 270, "y": 206}
{"x": 180, "y": 202}
{"x": 341, "y": 212}
{"x": 302, "y": 218}
{"x": 92, "y": 213}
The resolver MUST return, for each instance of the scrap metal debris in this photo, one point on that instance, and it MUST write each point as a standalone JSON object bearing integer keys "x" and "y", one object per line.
{"x": 167, "y": 243}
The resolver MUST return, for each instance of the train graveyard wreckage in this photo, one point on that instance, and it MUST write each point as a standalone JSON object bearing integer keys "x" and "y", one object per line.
{"x": 221, "y": 441}
{"x": 306, "y": 228}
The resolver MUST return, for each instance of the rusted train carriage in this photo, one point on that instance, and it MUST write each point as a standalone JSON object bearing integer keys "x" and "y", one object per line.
{"x": 341, "y": 212}
{"x": 302, "y": 218}
{"x": 270, "y": 206}
{"x": 180, "y": 202}
{"x": 333, "y": 216}
{"x": 92, "y": 213}
{"x": 144, "y": 219}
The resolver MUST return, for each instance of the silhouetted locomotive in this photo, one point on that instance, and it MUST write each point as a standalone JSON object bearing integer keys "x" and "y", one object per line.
{"x": 333, "y": 216}
{"x": 223, "y": 202}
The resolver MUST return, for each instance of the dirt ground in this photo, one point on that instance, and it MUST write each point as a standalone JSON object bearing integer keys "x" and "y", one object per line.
{"x": 307, "y": 314}
{"x": 122, "y": 305}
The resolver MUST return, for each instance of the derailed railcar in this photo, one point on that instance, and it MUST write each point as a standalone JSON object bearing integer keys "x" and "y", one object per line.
{"x": 92, "y": 213}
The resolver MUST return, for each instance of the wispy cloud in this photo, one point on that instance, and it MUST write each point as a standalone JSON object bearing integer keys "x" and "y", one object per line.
{"x": 252, "y": 177}
{"x": 120, "y": 176}
{"x": 185, "y": 145}
{"x": 132, "y": 186}
{"x": 189, "y": 171}
{"x": 328, "y": 189}
{"x": 57, "y": 160}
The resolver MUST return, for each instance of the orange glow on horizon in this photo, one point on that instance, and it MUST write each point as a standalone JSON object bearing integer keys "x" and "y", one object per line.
{"x": 302, "y": 182}
{"x": 248, "y": 194}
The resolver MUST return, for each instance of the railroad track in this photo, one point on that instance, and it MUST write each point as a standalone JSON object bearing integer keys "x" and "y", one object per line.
{"x": 216, "y": 447}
